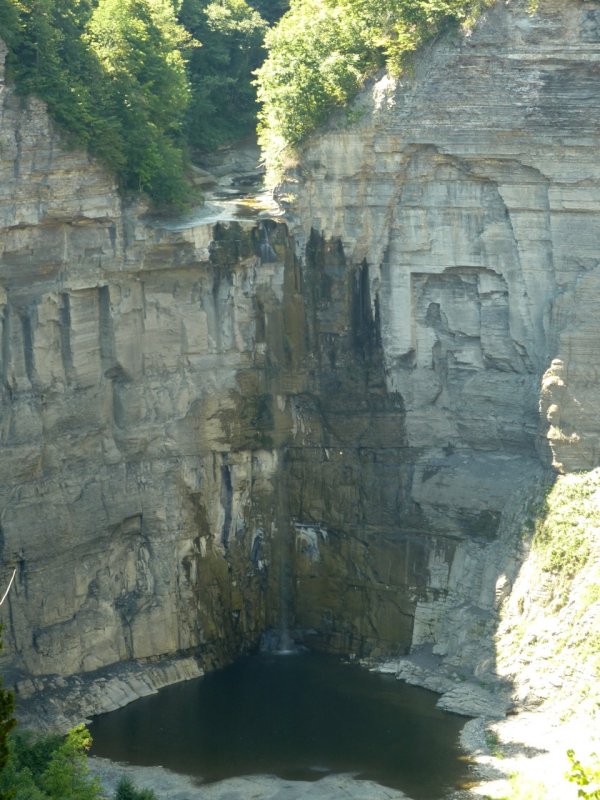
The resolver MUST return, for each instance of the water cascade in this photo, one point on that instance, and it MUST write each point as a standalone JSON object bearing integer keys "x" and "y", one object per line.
{"x": 278, "y": 639}
{"x": 267, "y": 253}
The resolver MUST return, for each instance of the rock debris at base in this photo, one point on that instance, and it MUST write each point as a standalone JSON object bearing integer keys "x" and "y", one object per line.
{"x": 170, "y": 786}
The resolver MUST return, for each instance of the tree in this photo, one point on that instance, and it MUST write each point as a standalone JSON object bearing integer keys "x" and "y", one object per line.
{"x": 270, "y": 10}
{"x": 67, "y": 776}
{"x": 138, "y": 43}
{"x": 9, "y": 22}
{"x": 318, "y": 56}
{"x": 223, "y": 105}
{"x": 114, "y": 78}
{"x": 322, "y": 50}
{"x": 127, "y": 791}
{"x": 7, "y": 723}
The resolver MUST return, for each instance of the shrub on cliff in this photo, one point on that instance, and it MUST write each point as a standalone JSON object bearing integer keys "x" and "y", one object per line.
{"x": 113, "y": 76}
{"x": 127, "y": 791}
{"x": 322, "y": 50}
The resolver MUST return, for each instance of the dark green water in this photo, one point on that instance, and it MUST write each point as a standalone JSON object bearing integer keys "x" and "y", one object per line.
{"x": 298, "y": 717}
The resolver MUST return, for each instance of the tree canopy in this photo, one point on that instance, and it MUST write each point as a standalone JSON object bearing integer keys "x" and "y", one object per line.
{"x": 144, "y": 83}
{"x": 141, "y": 82}
{"x": 322, "y": 50}
{"x": 138, "y": 46}
{"x": 223, "y": 99}
{"x": 114, "y": 79}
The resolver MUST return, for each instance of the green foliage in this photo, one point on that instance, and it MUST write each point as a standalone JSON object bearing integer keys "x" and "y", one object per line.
{"x": 127, "y": 791}
{"x": 67, "y": 775}
{"x": 9, "y": 22}
{"x": 138, "y": 46}
{"x": 585, "y": 776}
{"x": 7, "y": 723}
{"x": 48, "y": 58}
{"x": 113, "y": 75}
{"x": 494, "y": 744}
{"x": 317, "y": 58}
{"x": 270, "y": 10}
{"x": 139, "y": 82}
{"x": 223, "y": 103}
{"x": 322, "y": 50}
{"x": 552, "y": 617}
{"x": 55, "y": 767}
{"x": 566, "y": 532}
{"x": 50, "y": 768}
{"x": 525, "y": 788}
{"x": 34, "y": 753}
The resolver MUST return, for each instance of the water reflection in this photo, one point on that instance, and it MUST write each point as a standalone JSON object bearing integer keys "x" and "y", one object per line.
{"x": 299, "y": 718}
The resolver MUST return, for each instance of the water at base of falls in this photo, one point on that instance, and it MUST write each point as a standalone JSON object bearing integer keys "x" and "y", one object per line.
{"x": 279, "y": 643}
{"x": 300, "y": 718}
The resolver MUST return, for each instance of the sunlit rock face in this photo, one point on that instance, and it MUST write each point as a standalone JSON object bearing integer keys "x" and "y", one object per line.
{"x": 469, "y": 189}
{"x": 137, "y": 475}
{"x": 211, "y": 431}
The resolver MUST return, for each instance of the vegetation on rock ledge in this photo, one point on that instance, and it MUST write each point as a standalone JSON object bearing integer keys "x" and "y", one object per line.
{"x": 550, "y": 629}
{"x": 141, "y": 82}
{"x": 322, "y": 51}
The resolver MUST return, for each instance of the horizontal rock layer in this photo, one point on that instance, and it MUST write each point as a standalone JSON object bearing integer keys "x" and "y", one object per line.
{"x": 135, "y": 479}
{"x": 470, "y": 191}
{"x": 212, "y": 430}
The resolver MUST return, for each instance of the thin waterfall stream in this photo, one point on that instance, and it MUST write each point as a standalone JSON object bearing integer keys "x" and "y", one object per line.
{"x": 267, "y": 253}
{"x": 283, "y": 538}
{"x": 281, "y": 641}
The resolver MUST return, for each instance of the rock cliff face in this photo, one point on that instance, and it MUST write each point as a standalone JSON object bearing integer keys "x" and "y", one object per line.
{"x": 136, "y": 471}
{"x": 469, "y": 190}
{"x": 213, "y": 430}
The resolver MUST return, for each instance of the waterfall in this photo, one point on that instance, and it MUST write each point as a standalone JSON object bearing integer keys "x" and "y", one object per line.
{"x": 279, "y": 639}
{"x": 267, "y": 254}
{"x": 283, "y": 533}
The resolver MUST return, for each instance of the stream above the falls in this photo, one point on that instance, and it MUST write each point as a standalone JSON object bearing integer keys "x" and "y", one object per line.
{"x": 300, "y": 717}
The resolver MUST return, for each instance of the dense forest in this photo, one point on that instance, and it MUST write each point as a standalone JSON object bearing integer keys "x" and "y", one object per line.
{"x": 142, "y": 83}
{"x": 147, "y": 84}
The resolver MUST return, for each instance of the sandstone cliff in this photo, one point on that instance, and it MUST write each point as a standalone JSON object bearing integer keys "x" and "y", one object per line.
{"x": 134, "y": 376}
{"x": 212, "y": 430}
{"x": 469, "y": 190}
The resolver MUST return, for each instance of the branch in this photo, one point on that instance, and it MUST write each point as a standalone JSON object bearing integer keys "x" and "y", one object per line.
{"x": 10, "y": 583}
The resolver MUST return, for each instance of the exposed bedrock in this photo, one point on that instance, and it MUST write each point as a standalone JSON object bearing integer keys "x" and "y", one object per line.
{"x": 465, "y": 198}
{"x": 210, "y": 431}
{"x": 138, "y": 456}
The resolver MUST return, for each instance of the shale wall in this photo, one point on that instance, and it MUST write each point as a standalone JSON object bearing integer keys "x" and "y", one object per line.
{"x": 204, "y": 438}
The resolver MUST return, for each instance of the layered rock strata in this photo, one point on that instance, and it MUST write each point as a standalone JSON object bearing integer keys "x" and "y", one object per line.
{"x": 210, "y": 430}
{"x": 136, "y": 473}
{"x": 466, "y": 195}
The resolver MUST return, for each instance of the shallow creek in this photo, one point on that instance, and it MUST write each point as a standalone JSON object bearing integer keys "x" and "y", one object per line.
{"x": 301, "y": 717}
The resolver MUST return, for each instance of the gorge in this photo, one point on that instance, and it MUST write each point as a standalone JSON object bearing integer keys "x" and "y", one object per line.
{"x": 366, "y": 412}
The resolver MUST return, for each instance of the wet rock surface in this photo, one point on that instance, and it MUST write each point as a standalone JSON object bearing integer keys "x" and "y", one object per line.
{"x": 462, "y": 198}
{"x": 208, "y": 422}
